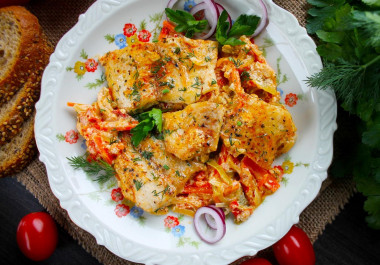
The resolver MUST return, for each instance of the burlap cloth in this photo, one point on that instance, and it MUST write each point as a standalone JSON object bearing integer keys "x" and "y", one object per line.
{"x": 57, "y": 17}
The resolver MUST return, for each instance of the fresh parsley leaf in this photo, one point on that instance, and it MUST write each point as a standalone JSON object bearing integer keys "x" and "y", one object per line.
{"x": 371, "y": 137}
{"x": 147, "y": 121}
{"x": 156, "y": 114}
{"x": 244, "y": 25}
{"x": 331, "y": 37}
{"x": 186, "y": 22}
{"x": 222, "y": 27}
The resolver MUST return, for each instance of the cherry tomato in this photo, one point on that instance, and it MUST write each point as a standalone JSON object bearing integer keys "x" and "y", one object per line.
{"x": 37, "y": 236}
{"x": 256, "y": 261}
{"x": 294, "y": 248}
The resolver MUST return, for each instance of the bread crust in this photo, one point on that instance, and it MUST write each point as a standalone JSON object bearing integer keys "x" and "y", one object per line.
{"x": 22, "y": 104}
{"x": 31, "y": 55}
{"x": 21, "y": 109}
{"x": 22, "y": 153}
{"x": 20, "y": 87}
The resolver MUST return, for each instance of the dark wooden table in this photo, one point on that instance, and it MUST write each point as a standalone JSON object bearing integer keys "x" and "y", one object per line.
{"x": 347, "y": 241}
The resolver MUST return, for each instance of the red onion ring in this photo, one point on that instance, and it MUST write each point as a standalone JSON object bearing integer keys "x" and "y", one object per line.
{"x": 195, "y": 9}
{"x": 220, "y": 224}
{"x": 210, "y": 220}
{"x": 264, "y": 21}
{"x": 171, "y": 3}
{"x": 211, "y": 14}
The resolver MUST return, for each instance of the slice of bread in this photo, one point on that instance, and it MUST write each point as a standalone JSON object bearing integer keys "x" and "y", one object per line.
{"x": 23, "y": 49}
{"x": 17, "y": 154}
{"x": 19, "y": 108}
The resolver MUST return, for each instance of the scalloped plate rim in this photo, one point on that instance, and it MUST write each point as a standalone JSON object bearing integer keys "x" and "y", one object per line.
{"x": 318, "y": 173}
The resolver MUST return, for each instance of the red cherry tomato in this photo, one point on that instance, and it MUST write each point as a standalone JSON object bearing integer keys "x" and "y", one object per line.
{"x": 37, "y": 236}
{"x": 256, "y": 261}
{"x": 294, "y": 248}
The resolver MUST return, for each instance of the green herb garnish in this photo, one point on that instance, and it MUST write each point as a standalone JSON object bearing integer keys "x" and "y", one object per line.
{"x": 147, "y": 155}
{"x": 100, "y": 169}
{"x": 147, "y": 122}
{"x": 244, "y": 25}
{"x": 138, "y": 184}
{"x": 185, "y": 22}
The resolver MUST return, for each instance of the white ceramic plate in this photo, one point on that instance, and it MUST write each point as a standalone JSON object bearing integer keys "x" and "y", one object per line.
{"x": 73, "y": 75}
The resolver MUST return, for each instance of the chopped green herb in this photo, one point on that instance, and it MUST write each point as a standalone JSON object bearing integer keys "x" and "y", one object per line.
{"x": 177, "y": 173}
{"x": 163, "y": 192}
{"x": 177, "y": 50}
{"x": 154, "y": 176}
{"x": 230, "y": 140}
{"x": 147, "y": 155}
{"x": 165, "y": 91}
{"x": 245, "y": 77}
{"x": 136, "y": 74}
{"x": 237, "y": 62}
{"x": 166, "y": 167}
{"x": 138, "y": 184}
{"x": 197, "y": 84}
{"x": 136, "y": 159}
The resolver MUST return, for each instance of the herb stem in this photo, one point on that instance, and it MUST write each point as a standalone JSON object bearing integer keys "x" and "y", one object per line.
{"x": 374, "y": 60}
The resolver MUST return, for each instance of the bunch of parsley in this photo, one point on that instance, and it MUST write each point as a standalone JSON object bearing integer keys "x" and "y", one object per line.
{"x": 348, "y": 33}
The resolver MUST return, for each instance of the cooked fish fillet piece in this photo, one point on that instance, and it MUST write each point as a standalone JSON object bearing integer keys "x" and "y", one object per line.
{"x": 190, "y": 71}
{"x": 174, "y": 71}
{"x": 258, "y": 129}
{"x": 256, "y": 75}
{"x": 100, "y": 124}
{"x": 150, "y": 176}
{"x": 128, "y": 73}
{"x": 194, "y": 131}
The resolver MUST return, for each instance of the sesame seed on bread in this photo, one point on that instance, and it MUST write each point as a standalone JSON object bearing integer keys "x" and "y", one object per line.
{"x": 17, "y": 153}
{"x": 23, "y": 49}
{"x": 19, "y": 108}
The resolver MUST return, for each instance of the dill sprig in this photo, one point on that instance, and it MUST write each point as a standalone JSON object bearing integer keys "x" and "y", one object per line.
{"x": 99, "y": 170}
{"x": 348, "y": 81}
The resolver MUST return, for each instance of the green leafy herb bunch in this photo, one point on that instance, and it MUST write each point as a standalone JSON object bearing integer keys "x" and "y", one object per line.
{"x": 348, "y": 33}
